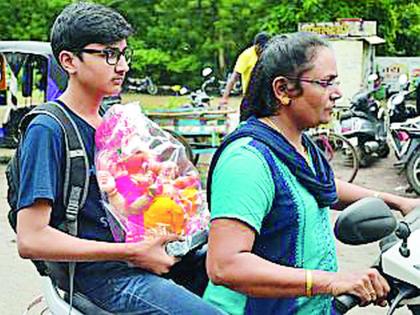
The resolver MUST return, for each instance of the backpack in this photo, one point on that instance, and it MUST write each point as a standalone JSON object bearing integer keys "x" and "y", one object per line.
{"x": 76, "y": 181}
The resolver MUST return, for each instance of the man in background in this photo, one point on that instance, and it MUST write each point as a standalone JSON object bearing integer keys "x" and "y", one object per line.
{"x": 244, "y": 65}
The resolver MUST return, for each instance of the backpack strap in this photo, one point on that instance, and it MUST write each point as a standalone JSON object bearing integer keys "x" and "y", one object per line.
{"x": 76, "y": 183}
{"x": 76, "y": 179}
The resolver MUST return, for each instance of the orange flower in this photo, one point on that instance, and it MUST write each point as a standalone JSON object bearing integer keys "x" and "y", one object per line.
{"x": 167, "y": 212}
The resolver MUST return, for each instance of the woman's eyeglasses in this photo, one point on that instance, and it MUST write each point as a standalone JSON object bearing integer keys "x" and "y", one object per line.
{"x": 112, "y": 55}
{"x": 322, "y": 83}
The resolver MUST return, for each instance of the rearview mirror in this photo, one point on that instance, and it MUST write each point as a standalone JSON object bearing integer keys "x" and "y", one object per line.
{"x": 365, "y": 221}
{"x": 206, "y": 71}
{"x": 183, "y": 91}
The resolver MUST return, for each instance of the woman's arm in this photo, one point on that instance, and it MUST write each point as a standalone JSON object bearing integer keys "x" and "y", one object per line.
{"x": 231, "y": 263}
{"x": 349, "y": 193}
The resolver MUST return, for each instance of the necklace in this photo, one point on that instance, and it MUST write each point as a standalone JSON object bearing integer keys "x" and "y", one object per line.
{"x": 272, "y": 125}
{"x": 269, "y": 122}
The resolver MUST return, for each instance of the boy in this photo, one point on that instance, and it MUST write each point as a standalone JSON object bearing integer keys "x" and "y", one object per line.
{"x": 89, "y": 41}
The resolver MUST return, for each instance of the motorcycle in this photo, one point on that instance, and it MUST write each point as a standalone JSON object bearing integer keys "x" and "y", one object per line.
{"x": 370, "y": 220}
{"x": 399, "y": 109}
{"x": 405, "y": 140}
{"x": 200, "y": 98}
{"x": 404, "y": 135}
{"x": 365, "y": 126}
{"x": 59, "y": 302}
{"x": 141, "y": 85}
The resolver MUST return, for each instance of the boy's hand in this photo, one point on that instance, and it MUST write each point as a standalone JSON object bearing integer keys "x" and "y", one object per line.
{"x": 150, "y": 254}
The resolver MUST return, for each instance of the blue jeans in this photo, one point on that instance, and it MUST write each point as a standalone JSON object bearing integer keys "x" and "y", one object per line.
{"x": 130, "y": 291}
{"x": 134, "y": 291}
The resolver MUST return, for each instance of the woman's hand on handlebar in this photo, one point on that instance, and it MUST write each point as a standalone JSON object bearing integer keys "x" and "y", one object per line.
{"x": 368, "y": 286}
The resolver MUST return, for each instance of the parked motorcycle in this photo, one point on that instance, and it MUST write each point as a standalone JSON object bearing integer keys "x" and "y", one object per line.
{"x": 200, "y": 98}
{"x": 399, "y": 109}
{"x": 404, "y": 135}
{"x": 405, "y": 140}
{"x": 370, "y": 220}
{"x": 142, "y": 85}
{"x": 364, "y": 125}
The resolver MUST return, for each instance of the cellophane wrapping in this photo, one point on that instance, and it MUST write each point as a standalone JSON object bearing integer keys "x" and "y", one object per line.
{"x": 149, "y": 186}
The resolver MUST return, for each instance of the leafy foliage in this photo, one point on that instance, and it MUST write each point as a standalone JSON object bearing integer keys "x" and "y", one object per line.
{"x": 175, "y": 39}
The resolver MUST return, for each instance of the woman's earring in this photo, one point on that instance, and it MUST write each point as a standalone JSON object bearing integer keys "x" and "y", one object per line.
{"x": 285, "y": 100}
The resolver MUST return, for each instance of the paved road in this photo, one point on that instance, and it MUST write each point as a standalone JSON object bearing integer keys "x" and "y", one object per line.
{"x": 20, "y": 283}
{"x": 381, "y": 176}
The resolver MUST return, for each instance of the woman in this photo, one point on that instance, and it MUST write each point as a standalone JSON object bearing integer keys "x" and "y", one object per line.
{"x": 271, "y": 249}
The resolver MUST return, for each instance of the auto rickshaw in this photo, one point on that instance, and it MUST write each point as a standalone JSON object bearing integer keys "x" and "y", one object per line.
{"x": 29, "y": 75}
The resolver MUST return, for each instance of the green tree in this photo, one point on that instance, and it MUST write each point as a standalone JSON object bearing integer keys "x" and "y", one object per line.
{"x": 175, "y": 39}
{"x": 27, "y": 19}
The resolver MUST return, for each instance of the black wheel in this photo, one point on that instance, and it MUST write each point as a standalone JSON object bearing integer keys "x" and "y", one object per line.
{"x": 364, "y": 159}
{"x": 412, "y": 172}
{"x": 384, "y": 151}
{"x": 188, "y": 151}
{"x": 341, "y": 155}
{"x": 152, "y": 89}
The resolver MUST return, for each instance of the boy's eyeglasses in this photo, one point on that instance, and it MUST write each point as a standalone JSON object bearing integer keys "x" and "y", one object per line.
{"x": 112, "y": 55}
{"x": 322, "y": 83}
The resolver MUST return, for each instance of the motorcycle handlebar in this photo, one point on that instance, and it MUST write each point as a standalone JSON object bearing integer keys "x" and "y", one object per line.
{"x": 207, "y": 82}
{"x": 344, "y": 303}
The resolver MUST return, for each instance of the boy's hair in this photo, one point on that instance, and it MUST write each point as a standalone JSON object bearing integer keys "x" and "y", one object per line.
{"x": 84, "y": 23}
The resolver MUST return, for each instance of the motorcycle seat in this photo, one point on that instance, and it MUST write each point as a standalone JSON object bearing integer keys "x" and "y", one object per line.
{"x": 414, "y": 120}
{"x": 352, "y": 113}
{"x": 58, "y": 301}
{"x": 84, "y": 305}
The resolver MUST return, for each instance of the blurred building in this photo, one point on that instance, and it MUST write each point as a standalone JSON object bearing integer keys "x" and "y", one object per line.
{"x": 354, "y": 42}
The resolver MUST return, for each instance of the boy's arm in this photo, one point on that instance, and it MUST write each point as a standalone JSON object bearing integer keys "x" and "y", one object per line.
{"x": 37, "y": 240}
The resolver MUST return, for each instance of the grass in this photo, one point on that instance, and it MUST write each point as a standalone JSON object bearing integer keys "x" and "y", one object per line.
{"x": 149, "y": 102}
